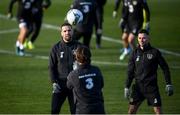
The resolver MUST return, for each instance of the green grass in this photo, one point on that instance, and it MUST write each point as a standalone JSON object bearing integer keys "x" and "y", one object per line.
{"x": 25, "y": 86}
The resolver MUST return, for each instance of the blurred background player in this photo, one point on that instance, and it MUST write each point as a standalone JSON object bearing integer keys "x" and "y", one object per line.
{"x": 85, "y": 28}
{"x": 135, "y": 15}
{"x": 61, "y": 61}
{"x": 142, "y": 67}
{"x": 86, "y": 82}
{"x": 37, "y": 11}
{"x": 99, "y": 30}
{"x": 25, "y": 20}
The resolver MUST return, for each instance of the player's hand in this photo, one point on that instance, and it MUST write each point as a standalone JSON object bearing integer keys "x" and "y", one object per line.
{"x": 99, "y": 31}
{"x": 114, "y": 14}
{"x": 56, "y": 88}
{"x": 9, "y": 15}
{"x": 126, "y": 93}
{"x": 122, "y": 23}
{"x": 169, "y": 90}
{"x": 146, "y": 26}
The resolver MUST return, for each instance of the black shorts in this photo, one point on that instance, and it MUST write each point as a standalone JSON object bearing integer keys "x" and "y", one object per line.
{"x": 24, "y": 22}
{"x": 132, "y": 28}
{"x": 137, "y": 96}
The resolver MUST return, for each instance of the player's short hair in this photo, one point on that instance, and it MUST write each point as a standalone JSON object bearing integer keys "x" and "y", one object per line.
{"x": 83, "y": 55}
{"x": 143, "y": 31}
{"x": 66, "y": 24}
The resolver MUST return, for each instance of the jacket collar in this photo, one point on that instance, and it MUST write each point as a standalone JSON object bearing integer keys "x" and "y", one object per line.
{"x": 146, "y": 47}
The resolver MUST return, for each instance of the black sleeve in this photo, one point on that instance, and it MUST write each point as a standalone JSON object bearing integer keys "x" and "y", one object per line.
{"x": 11, "y": 3}
{"x": 130, "y": 71}
{"x": 147, "y": 11}
{"x": 116, "y": 5}
{"x": 53, "y": 66}
{"x": 164, "y": 67}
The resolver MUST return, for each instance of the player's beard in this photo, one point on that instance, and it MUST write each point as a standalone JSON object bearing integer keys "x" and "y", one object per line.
{"x": 68, "y": 38}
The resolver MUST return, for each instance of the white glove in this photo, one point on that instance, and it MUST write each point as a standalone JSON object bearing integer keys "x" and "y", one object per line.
{"x": 99, "y": 31}
{"x": 169, "y": 90}
{"x": 114, "y": 15}
{"x": 9, "y": 15}
{"x": 126, "y": 93}
{"x": 122, "y": 23}
{"x": 56, "y": 88}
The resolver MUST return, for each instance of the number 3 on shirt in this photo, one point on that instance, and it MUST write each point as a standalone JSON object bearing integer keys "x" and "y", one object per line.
{"x": 89, "y": 83}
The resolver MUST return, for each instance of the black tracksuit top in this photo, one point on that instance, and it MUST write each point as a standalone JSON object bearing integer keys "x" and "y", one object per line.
{"x": 143, "y": 65}
{"x": 87, "y": 83}
{"x": 61, "y": 60}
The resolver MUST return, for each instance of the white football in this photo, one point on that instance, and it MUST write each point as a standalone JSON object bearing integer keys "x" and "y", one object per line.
{"x": 74, "y": 16}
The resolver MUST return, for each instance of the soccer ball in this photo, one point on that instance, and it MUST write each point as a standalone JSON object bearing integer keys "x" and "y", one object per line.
{"x": 74, "y": 16}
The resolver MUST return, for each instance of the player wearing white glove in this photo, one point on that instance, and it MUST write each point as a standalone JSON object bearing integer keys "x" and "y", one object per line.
{"x": 143, "y": 66}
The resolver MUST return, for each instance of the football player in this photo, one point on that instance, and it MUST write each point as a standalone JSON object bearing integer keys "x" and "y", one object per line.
{"x": 38, "y": 8}
{"x": 86, "y": 81}
{"x": 135, "y": 15}
{"x": 142, "y": 67}
{"x": 61, "y": 61}
{"x": 37, "y": 15}
{"x": 25, "y": 20}
{"x": 85, "y": 28}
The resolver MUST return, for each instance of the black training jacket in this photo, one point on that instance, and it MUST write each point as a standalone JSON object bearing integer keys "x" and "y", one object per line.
{"x": 61, "y": 60}
{"x": 143, "y": 65}
{"x": 87, "y": 83}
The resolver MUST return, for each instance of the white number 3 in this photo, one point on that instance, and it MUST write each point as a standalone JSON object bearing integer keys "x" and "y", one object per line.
{"x": 89, "y": 84}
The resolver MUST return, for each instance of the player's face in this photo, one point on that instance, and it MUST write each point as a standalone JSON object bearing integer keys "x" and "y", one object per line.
{"x": 143, "y": 39}
{"x": 66, "y": 33}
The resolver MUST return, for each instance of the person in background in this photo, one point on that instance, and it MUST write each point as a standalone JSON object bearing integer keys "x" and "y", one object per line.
{"x": 38, "y": 9}
{"x": 25, "y": 21}
{"x": 85, "y": 28}
{"x": 86, "y": 81}
{"x": 143, "y": 66}
{"x": 135, "y": 16}
{"x": 61, "y": 61}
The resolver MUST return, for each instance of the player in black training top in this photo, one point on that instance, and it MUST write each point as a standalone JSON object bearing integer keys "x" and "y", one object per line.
{"x": 61, "y": 61}
{"x": 38, "y": 8}
{"x": 25, "y": 20}
{"x": 142, "y": 67}
{"x": 37, "y": 15}
{"x": 135, "y": 15}
{"x": 87, "y": 83}
{"x": 85, "y": 28}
